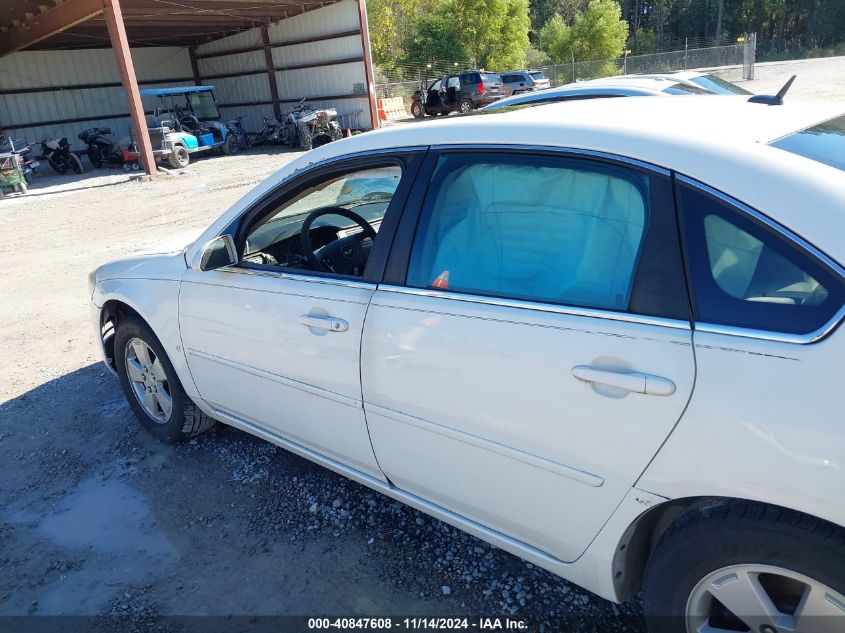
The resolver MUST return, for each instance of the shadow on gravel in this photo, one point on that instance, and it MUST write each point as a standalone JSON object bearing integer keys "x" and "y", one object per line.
{"x": 97, "y": 519}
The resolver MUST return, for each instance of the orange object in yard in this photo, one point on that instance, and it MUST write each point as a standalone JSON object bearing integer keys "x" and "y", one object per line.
{"x": 442, "y": 281}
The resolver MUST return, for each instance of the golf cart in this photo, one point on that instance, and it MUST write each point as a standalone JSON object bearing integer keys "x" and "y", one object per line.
{"x": 187, "y": 122}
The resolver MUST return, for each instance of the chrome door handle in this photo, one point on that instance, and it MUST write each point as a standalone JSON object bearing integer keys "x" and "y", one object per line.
{"x": 633, "y": 381}
{"x": 332, "y": 324}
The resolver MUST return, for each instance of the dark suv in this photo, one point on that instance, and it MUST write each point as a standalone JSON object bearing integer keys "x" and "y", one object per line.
{"x": 462, "y": 92}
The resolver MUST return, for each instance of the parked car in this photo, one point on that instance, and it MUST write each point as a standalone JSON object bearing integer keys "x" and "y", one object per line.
{"x": 601, "y": 88}
{"x": 708, "y": 81}
{"x": 611, "y": 349}
{"x": 516, "y": 81}
{"x": 462, "y": 92}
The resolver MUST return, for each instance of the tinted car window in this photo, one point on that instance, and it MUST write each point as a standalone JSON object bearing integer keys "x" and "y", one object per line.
{"x": 538, "y": 75}
{"x": 824, "y": 143}
{"x": 490, "y": 78}
{"x": 570, "y": 233}
{"x": 719, "y": 85}
{"x": 685, "y": 89}
{"x": 453, "y": 82}
{"x": 746, "y": 275}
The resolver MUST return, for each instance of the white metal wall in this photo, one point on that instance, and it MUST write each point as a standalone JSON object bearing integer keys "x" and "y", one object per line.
{"x": 39, "y": 69}
{"x": 322, "y": 81}
{"x": 44, "y": 69}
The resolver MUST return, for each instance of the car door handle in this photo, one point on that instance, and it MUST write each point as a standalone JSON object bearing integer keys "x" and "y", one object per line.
{"x": 332, "y": 324}
{"x": 633, "y": 381}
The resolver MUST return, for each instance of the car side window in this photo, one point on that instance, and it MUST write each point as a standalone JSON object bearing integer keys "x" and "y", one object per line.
{"x": 436, "y": 85}
{"x": 746, "y": 275}
{"x": 570, "y": 233}
{"x": 453, "y": 82}
{"x": 340, "y": 215}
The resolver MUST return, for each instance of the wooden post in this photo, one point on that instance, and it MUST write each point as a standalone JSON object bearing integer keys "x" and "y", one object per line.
{"x": 368, "y": 62}
{"x": 271, "y": 71}
{"x": 120, "y": 45}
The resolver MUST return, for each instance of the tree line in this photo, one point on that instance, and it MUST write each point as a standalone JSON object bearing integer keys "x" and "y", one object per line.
{"x": 504, "y": 34}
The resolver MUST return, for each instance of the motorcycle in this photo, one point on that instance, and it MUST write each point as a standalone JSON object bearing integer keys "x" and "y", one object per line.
{"x": 236, "y": 129}
{"x": 306, "y": 127}
{"x": 103, "y": 146}
{"x": 58, "y": 154}
{"x": 269, "y": 132}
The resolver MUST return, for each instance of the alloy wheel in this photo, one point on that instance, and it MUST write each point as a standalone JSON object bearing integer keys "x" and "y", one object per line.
{"x": 763, "y": 599}
{"x": 148, "y": 380}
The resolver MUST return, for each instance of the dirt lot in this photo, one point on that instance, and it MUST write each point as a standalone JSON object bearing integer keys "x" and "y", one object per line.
{"x": 98, "y": 519}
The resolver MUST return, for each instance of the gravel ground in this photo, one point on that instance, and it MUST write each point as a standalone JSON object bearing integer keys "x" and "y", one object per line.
{"x": 98, "y": 519}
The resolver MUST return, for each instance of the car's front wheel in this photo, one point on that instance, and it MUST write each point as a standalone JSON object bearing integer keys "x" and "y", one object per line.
{"x": 743, "y": 566}
{"x": 152, "y": 386}
{"x": 417, "y": 110}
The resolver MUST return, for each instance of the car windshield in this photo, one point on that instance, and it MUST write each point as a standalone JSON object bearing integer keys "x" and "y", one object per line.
{"x": 686, "y": 89}
{"x": 719, "y": 85}
{"x": 823, "y": 142}
{"x": 203, "y": 105}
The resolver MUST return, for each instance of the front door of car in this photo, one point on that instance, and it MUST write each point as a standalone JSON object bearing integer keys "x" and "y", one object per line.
{"x": 275, "y": 340}
{"x": 530, "y": 349}
{"x": 453, "y": 91}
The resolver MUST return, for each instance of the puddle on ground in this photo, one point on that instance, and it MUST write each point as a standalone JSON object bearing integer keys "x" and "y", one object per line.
{"x": 107, "y": 515}
{"x": 107, "y": 524}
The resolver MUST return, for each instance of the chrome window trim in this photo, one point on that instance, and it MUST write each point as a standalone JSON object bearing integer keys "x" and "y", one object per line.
{"x": 797, "y": 241}
{"x": 540, "y": 307}
{"x": 281, "y": 274}
{"x": 574, "y": 151}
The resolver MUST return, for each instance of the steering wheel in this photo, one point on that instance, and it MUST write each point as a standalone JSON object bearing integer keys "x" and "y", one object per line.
{"x": 344, "y": 256}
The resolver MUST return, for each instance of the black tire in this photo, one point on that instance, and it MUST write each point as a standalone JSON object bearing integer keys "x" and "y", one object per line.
{"x": 179, "y": 157}
{"x": 186, "y": 419}
{"x": 305, "y": 141}
{"x": 417, "y": 110}
{"x": 466, "y": 105}
{"x": 95, "y": 157}
{"x": 58, "y": 166}
{"x": 230, "y": 145}
{"x": 75, "y": 163}
{"x": 707, "y": 539}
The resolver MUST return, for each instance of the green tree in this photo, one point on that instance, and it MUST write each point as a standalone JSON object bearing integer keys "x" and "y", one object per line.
{"x": 597, "y": 33}
{"x": 489, "y": 33}
{"x": 390, "y": 29}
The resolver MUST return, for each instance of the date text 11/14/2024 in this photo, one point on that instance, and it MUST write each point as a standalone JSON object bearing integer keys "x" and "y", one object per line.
{"x": 417, "y": 624}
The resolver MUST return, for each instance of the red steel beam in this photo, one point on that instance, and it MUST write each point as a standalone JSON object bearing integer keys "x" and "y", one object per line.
{"x": 42, "y": 25}
{"x": 120, "y": 44}
{"x": 368, "y": 62}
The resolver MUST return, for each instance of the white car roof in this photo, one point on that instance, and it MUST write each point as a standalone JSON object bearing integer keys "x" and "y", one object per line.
{"x": 720, "y": 141}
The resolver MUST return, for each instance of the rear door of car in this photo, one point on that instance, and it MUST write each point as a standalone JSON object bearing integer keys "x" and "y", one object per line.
{"x": 530, "y": 348}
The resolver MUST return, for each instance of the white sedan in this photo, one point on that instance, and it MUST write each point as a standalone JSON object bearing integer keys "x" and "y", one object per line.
{"x": 606, "y": 342}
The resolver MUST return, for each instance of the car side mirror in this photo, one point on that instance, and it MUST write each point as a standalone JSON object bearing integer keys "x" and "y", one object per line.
{"x": 218, "y": 253}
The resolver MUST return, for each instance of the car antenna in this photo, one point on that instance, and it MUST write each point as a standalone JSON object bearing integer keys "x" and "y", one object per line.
{"x": 774, "y": 99}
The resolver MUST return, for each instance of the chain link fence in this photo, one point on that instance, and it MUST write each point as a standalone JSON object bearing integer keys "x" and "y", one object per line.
{"x": 734, "y": 62}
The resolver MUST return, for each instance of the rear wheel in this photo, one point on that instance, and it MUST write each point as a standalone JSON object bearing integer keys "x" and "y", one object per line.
{"x": 230, "y": 145}
{"x": 179, "y": 157}
{"x": 58, "y": 166}
{"x": 417, "y": 110}
{"x": 466, "y": 105}
{"x": 743, "y": 566}
{"x": 95, "y": 157}
{"x": 152, "y": 386}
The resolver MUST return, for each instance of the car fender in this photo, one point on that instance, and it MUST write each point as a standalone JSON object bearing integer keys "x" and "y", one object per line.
{"x": 150, "y": 287}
